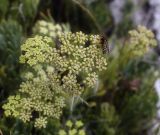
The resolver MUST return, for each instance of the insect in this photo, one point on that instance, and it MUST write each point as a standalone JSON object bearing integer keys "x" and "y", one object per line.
{"x": 104, "y": 43}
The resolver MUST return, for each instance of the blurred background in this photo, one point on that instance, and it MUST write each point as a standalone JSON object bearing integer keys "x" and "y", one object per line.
{"x": 126, "y": 102}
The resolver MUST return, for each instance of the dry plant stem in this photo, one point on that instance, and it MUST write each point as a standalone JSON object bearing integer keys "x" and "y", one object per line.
{"x": 47, "y": 17}
{"x": 1, "y": 132}
{"x": 89, "y": 14}
{"x": 72, "y": 104}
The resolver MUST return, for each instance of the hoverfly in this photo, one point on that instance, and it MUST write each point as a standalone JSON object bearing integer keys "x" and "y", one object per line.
{"x": 104, "y": 44}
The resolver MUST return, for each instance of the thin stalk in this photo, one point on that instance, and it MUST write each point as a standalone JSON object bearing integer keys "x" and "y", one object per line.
{"x": 89, "y": 14}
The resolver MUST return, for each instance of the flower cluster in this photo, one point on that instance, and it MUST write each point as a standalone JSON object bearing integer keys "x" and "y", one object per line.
{"x": 73, "y": 128}
{"x": 36, "y": 50}
{"x": 78, "y": 59}
{"x": 41, "y": 97}
{"x": 49, "y": 29}
{"x": 55, "y": 73}
{"x": 80, "y": 55}
{"x": 140, "y": 40}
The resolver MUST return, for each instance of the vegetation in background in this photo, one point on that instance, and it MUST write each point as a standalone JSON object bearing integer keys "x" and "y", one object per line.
{"x": 56, "y": 80}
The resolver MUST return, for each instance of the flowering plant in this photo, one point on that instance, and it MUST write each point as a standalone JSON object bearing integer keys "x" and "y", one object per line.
{"x": 55, "y": 71}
